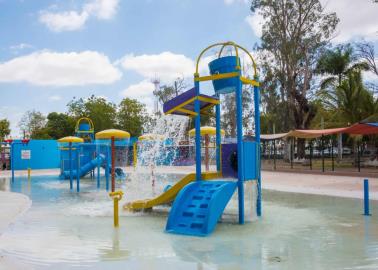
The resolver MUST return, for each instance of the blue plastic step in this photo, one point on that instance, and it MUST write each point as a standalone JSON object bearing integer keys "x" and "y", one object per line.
{"x": 198, "y": 207}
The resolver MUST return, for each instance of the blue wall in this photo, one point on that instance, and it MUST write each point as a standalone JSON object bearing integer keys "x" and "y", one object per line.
{"x": 44, "y": 155}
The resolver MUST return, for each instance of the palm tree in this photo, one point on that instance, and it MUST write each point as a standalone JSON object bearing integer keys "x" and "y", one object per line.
{"x": 350, "y": 100}
{"x": 337, "y": 64}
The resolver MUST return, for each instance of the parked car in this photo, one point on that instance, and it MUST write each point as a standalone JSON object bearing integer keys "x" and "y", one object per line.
{"x": 347, "y": 151}
{"x": 369, "y": 152}
{"x": 327, "y": 151}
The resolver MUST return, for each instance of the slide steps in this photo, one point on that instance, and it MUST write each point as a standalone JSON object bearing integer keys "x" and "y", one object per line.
{"x": 199, "y": 206}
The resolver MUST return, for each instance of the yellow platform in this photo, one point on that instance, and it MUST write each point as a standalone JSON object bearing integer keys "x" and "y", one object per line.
{"x": 170, "y": 194}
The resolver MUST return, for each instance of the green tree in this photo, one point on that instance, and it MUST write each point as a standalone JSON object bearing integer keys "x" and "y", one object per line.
{"x": 337, "y": 64}
{"x": 41, "y": 134}
{"x": 4, "y": 128}
{"x": 132, "y": 116}
{"x": 294, "y": 33}
{"x": 32, "y": 123}
{"x": 274, "y": 109}
{"x": 102, "y": 112}
{"x": 60, "y": 125}
{"x": 349, "y": 102}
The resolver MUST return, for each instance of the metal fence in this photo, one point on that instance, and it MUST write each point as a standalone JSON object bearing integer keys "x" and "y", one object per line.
{"x": 324, "y": 154}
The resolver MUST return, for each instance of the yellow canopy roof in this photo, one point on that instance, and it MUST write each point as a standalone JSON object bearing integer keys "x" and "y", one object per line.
{"x": 71, "y": 139}
{"x": 150, "y": 137}
{"x": 109, "y": 133}
{"x": 206, "y": 130}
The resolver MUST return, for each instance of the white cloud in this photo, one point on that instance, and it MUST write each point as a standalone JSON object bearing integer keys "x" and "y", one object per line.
{"x": 230, "y": 2}
{"x": 20, "y": 47}
{"x": 142, "y": 91}
{"x": 255, "y": 21}
{"x": 74, "y": 20}
{"x": 55, "y": 98}
{"x": 357, "y": 19}
{"x": 64, "y": 21}
{"x": 167, "y": 66}
{"x": 60, "y": 69}
{"x": 102, "y": 9}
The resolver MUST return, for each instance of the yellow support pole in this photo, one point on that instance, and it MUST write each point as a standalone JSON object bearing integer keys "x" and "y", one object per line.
{"x": 29, "y": 173}
{"x": 117, "y": 196}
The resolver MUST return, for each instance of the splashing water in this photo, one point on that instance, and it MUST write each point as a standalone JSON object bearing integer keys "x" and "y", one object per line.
{"x": 155, "y": 154}
{"x": 161, "y": 151}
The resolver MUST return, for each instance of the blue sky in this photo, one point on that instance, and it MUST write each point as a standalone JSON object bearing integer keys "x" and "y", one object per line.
{"x": 51, "y": 51}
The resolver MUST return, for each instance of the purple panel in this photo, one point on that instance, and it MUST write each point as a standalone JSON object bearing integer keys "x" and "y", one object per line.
{"x": 227, "y": 151}
{"x": 176, "y": 101}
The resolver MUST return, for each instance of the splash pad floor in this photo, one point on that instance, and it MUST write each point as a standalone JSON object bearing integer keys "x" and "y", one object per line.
{"x": 66, "y": 230}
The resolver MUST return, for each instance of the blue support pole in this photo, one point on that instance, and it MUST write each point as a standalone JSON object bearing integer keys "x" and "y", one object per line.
{"x": 198, "y": 132}
{"x": 218, "y": 136}
{"x": 107, "y": 168}
{"x": 256, "y": 97}
{"x": 98, "y": 171}
{"x": 239, "y": 135}
{"x": 12, "y": 161}
{"x": 78, "y": 170}
{"x": 70, "y": 160}
{"x": 366, "y": 198}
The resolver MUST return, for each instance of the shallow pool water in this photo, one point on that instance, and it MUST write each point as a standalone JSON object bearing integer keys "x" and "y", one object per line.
{"x": 68, "y": 230}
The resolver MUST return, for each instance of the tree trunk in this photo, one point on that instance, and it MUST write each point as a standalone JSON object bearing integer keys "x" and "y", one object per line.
{"x": 301, "y": 144}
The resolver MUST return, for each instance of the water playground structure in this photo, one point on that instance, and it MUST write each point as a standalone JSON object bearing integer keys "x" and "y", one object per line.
{"x": 207, "y": 133}
{"x": 200, "y": 198}
{"x": 82, "y": 155}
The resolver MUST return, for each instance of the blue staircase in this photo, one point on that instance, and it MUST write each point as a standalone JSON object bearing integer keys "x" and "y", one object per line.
{"x": 198, "y": 207}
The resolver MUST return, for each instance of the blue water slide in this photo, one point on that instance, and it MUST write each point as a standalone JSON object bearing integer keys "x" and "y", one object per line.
{"x": 198, "y": 207}
{"x": 86, "y": 167}
{"x": 118, "y": 171}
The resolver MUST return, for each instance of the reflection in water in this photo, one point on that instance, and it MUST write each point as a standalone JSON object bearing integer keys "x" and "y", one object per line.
{"x": 4, "y": 184}
{"x": 297, "y": 231}
{"x": 116, "y": 252}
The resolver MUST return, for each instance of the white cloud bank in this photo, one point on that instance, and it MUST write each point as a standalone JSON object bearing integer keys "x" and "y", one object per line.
{"x": 142, "y": 91}
{"x": 166, "y": 66}
{"x": 48, "y": 68}
{"x": 74, "y": 20}
{"x": 256, "y": 22}
{"x": 358, "y": 19}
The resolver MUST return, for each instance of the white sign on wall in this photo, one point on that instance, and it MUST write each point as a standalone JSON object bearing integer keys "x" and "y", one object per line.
{"x": 25, "y": 154}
